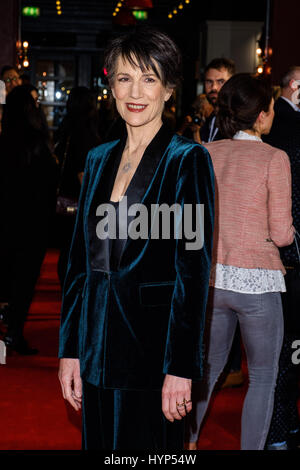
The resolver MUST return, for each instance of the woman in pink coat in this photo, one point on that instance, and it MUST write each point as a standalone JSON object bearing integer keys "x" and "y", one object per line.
{"x": 253, "y": 219}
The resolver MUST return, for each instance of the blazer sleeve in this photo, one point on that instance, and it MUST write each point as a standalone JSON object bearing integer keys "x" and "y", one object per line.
{"x": 280, "y": 200}
{"x": 184, "y": 346}
{"x": 74, "y": 281}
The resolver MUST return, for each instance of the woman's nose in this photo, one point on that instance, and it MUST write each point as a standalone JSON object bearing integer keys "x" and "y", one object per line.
{"x": 135, "y": 90}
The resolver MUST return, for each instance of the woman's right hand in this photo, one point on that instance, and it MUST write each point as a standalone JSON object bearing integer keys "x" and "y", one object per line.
{"x": 70, "y": 381}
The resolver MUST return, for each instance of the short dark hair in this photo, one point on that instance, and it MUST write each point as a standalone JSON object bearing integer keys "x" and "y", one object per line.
{"x": 142, "y": 48}
{"x": 240, "y": 101}
{"x": 289, "y": 75}
{"x": 221, "y": 63}
{"x": 6, "y": 68}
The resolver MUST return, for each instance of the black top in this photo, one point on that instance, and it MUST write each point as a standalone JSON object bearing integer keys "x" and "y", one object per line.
{"x": 27, "y": 192}
{"x": 80, "y": 143}
{"x": 100, "y": 248}
{"x": 285, "y": 135}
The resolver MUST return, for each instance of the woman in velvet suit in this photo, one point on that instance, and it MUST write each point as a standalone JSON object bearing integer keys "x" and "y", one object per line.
{"x": 133, "y": 307}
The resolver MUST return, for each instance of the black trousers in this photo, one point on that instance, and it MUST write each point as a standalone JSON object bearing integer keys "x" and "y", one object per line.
{"x": 127, "y": 420}
{"x": 22, "y": 275}
{"x": 285, "y": 417}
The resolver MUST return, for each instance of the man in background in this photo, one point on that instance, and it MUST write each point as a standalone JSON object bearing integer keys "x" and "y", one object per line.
{"x": 10, "y": 77}
{"x": 284, "y": 433}
{"x": 216, "y": 73}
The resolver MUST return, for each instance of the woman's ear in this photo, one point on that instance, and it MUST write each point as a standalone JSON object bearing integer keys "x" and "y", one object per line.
{"x": 261, "y": 116}
{"x": 168, "y": 94}
{"x": 113, "y": 92}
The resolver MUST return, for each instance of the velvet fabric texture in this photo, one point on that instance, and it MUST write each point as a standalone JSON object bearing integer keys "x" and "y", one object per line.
{"x": 109, "y": 422}
{"x": 135, "y": 320}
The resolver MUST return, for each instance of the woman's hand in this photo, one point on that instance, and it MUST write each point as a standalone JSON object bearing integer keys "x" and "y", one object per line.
{"x": 70, "y": 381}
{"x": 176, "y": 397}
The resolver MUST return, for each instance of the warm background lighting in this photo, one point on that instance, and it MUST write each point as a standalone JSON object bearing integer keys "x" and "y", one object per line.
{"x": 178, "y": 9}
{"x": 58, "y": 7}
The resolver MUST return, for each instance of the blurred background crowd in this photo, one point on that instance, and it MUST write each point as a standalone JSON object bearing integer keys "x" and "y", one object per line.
{"x": 56, "y": 106}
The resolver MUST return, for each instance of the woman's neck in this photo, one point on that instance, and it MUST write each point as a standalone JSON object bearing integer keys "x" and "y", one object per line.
{"x": 252, "y": 132}
{"x": 141, "y": 136}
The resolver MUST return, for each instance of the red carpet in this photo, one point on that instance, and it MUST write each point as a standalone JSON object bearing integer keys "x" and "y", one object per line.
{"x": 33, "y": 414}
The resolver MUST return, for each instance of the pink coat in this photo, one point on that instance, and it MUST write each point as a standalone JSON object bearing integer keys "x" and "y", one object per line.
{"x": 253, "y": 203}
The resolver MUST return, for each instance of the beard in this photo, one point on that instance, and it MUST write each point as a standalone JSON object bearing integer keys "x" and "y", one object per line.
{"x": 212, "y": 99}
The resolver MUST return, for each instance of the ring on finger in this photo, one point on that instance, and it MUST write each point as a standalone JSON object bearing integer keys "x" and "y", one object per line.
{"x": 184, "y": 403}
{"x": 180, "y": 405}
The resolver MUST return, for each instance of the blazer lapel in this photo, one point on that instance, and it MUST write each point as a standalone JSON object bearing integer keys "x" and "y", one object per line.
{"x": 101, "y": 191}
{"x": 143, "y": 176}
{"x": 148, "y": 165}
{"x": 135, "y": 194}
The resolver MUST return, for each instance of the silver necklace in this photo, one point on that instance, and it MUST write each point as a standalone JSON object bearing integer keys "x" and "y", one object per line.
{"x": 127, "y": 165}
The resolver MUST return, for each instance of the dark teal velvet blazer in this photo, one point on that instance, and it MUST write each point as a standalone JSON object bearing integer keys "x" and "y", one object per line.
{"x": 132, "y": 321}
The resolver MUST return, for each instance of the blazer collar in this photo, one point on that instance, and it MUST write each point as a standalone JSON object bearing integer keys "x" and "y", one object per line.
{"x": 135, "y": 193}
{"x": 142, "y": 178}
{"x": 147, "y": 167}
{"x": 285, "y": 108}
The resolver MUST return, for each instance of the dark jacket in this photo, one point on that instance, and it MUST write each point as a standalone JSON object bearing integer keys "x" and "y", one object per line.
{"x": 143, "y": 317}
{"x": 27, "y": 191}
{"x": 210, "y": 135}
{"x": 285, "y": 135}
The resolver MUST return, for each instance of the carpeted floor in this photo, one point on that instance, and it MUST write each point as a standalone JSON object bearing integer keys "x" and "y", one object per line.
{"x": 33, "y": 414}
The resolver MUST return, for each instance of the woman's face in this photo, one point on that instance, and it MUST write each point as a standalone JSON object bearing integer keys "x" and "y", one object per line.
{"x": 140, "y": 96}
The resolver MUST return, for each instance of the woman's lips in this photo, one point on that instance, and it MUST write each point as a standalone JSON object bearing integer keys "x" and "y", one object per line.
{"x": 136, "y": 108}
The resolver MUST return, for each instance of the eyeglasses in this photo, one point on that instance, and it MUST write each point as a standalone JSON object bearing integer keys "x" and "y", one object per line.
{"x": 9, "y": 80}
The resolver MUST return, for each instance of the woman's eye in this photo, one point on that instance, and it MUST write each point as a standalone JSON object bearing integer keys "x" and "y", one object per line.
{"x": 123, "y": 79}
{"x": 150, "y": 80}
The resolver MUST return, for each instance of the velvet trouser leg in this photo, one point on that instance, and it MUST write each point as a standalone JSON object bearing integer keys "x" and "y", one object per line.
{"x": 127, "y": 420}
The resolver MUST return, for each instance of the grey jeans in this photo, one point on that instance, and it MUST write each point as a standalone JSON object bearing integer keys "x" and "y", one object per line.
{"x": 261, "y": 324}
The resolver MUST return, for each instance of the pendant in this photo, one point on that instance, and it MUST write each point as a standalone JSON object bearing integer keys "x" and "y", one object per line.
{"x": 126, "y": 167}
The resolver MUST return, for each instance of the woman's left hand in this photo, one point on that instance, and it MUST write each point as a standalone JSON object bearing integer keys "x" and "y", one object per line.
{"x": 176, "y": 397}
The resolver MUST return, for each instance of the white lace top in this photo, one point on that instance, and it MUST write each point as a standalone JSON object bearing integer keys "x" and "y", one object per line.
{"x": 244, "y": 280}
